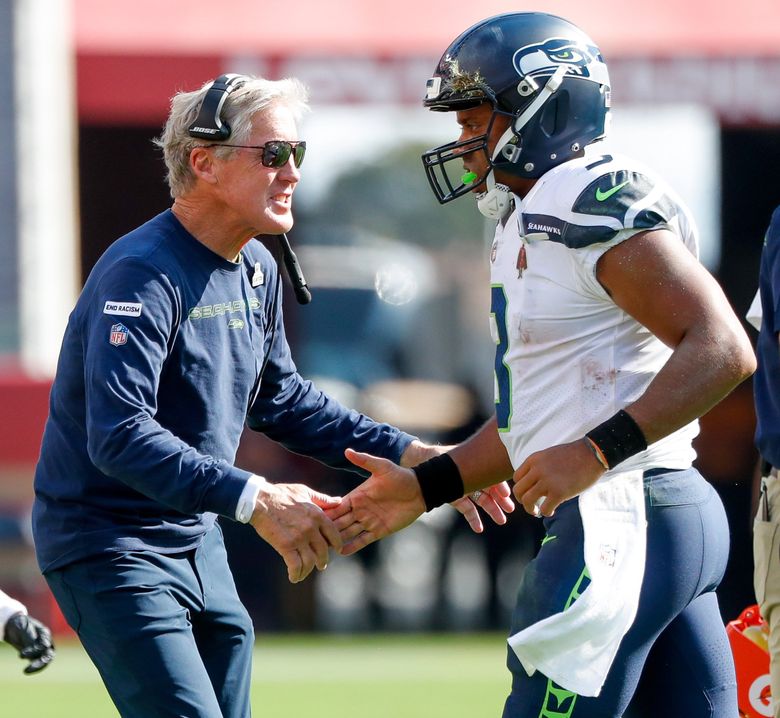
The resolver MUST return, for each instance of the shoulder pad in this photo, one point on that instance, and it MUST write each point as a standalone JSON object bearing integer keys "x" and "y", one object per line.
{"x": 591, "y": 200}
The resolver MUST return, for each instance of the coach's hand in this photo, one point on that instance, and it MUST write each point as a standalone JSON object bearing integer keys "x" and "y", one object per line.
{"x": 290, "y": 517}
{"x": 32, "y": 639}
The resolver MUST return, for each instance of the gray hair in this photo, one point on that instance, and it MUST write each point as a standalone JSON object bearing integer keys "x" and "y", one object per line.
{"x": 255, "y": 95}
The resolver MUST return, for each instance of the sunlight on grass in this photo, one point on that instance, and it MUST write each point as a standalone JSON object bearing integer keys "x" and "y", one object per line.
{"x": 380, "y": 676}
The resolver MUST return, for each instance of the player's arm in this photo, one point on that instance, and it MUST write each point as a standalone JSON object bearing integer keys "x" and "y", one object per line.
{"x": 26, "y": 634}
{"x": 659, "y": 283}
{"x": 482, "y": 459}
{"x": 494, "y": 498}
{"x": 655, "y": 279}
{"x": 394, "y": 496}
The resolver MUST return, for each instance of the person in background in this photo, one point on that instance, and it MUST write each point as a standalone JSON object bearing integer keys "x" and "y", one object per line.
{"x": 611, "y": 340}
{"x": 176, "y": 342}
{"x": 26, "y": 634}
{"x": 765, "y": 313}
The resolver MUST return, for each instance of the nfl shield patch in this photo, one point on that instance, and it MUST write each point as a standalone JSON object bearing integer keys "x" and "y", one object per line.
{"x": 118, "y": 334}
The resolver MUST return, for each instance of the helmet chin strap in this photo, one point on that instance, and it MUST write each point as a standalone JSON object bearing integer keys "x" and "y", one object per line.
{"x": 496, "y": 200}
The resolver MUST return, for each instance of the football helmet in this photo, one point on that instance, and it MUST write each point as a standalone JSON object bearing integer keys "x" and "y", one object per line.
{"x": 540, "y": 71}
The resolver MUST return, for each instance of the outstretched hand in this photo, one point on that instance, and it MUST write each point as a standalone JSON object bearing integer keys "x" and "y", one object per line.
{"x": 290, "y": 517}
{"x": 389, "y": 500}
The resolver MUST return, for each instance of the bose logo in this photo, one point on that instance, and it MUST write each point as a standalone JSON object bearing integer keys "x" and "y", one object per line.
{"x": 124, "y": 309}
{"x": 207, "y": 130}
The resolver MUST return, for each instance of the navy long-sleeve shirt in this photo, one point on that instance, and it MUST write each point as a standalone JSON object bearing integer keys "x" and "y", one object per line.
{"x": 766, "y": 382}
{"x": 160, "y": 368}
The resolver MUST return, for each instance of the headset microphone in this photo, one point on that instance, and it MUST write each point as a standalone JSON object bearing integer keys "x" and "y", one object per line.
{"x": 301, "y": 289}
{"x": 209, "y": 125}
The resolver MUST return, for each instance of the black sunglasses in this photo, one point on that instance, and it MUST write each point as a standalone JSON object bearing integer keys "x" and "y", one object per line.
{"x": 276, "y": 153}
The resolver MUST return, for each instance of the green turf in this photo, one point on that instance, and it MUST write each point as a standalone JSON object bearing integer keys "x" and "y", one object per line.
{"x": 458, "y": 676}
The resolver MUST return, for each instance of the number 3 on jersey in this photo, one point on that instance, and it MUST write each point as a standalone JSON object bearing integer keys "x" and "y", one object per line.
{"x": 503, "y": 376}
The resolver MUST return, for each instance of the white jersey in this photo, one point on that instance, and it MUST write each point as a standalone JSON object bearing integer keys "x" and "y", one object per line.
{"x": 8, "y": 607}
{"x": 567, "y": 357}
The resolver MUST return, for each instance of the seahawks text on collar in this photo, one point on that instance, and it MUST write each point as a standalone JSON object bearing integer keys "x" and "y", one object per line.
{"x": 536, "y": 227}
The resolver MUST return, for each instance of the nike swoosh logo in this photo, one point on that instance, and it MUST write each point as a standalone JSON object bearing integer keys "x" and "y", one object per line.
{"x": 547, "y": 539}
{"x": 601, "y": 196}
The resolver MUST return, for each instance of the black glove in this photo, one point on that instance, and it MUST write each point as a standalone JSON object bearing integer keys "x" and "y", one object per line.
{"x": 32, "y": 639}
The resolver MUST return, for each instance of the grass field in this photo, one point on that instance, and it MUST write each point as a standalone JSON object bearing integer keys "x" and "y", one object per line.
{"x": 458, "y": 676}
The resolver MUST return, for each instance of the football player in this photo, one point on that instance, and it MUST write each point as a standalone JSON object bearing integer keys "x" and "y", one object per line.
{"x": 611, "y": 340}
{"x": 26, "y": 634}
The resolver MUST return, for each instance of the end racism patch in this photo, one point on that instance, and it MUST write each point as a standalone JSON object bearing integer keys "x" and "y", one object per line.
{"x": 123, "y": 309}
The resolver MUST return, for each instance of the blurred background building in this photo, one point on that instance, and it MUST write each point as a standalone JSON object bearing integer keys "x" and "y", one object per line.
{"x": 398, "y": 324}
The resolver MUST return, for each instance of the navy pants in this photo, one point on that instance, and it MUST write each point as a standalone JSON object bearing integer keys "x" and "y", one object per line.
{"x": 677, "y": 644}
{"x": 167, "y": 633}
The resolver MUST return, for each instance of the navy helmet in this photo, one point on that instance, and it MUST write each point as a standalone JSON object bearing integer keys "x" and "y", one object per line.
{"x": 541, "y": 71}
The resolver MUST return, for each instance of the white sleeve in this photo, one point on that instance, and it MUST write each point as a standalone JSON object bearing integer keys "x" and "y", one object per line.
{"x": 246, "y": 502}
{"x": 8, "y": 607}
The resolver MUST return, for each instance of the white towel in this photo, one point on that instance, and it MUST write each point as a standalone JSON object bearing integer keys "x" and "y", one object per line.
{"x": 575, "y": 648}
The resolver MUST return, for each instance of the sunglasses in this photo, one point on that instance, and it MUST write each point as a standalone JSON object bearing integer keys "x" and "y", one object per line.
{"x": 276, "y": 153}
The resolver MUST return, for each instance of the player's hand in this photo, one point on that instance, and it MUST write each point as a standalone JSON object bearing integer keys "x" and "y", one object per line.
{"x": 549, "y": 477}
{"x": 32, "y": 639}
{"x": 495, "y": 501}
{"x": 389, "y": 500}
{"x": 290, "y": 517}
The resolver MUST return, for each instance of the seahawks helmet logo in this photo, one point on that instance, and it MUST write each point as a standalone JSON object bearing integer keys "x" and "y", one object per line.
{"x": 544, "y": 58}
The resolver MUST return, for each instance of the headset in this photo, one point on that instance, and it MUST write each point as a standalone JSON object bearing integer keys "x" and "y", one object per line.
{"x": 209, "y": 125}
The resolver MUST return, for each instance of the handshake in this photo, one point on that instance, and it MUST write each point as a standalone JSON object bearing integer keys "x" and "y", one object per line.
{"x": 303, "y": 525}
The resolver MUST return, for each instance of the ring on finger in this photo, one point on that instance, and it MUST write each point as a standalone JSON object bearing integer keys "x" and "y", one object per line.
{"x": 475, "y": 495}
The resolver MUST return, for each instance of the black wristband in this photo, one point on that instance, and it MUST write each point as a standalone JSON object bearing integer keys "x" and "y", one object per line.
{"x": 618, "y": 438}
{"x": 439, "y": 480}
